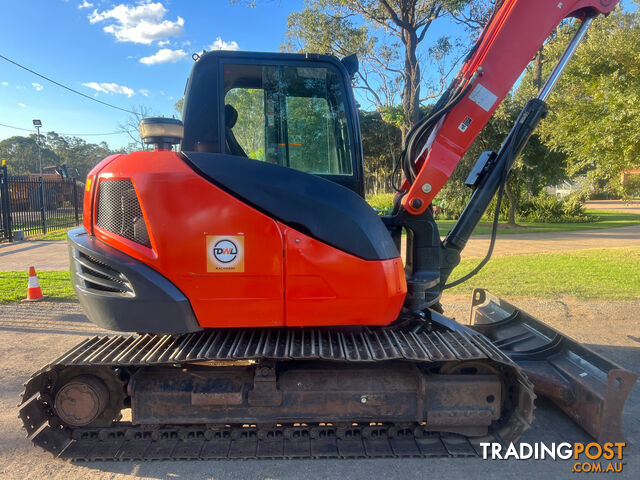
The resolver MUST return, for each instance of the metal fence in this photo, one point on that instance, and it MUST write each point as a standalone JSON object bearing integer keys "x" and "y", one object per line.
{"x": 5, "y": 218}
{"x": 37, "y": 205}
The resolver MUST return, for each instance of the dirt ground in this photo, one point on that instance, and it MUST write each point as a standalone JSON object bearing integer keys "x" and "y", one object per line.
{"x": 34, "y": 334}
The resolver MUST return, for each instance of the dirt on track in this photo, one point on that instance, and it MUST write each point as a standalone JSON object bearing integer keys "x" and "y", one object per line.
{"x": 31, "y": 335}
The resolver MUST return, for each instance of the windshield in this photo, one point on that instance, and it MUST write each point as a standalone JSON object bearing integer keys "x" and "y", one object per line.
{"x": 287, "y": 115}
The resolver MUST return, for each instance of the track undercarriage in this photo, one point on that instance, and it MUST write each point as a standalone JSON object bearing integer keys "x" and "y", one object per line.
{"x": 274, "y": 393}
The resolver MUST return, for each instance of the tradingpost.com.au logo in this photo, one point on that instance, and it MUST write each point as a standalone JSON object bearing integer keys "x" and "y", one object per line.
{"x": 586, "y": 457}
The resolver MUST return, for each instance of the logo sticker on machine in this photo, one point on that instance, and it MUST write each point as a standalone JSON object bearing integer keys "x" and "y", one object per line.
{"x": 225, "y": 253}
{"x": 483, "y": 97}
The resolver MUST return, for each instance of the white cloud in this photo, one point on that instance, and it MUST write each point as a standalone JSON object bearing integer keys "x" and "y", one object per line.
{"x": 4, "y": 84}
{"x": 85, "y": 4}
{"x": 164, "y": 43}
{"x": 110, "y": 88}
{"x": 144, "y": 92}
{"x": 143, "y": 23}
{"x": 21, "y": 105}
{"x": 220, "y": 44}
{"x": 37, "y": 86}
{"x": 164, "y": 55}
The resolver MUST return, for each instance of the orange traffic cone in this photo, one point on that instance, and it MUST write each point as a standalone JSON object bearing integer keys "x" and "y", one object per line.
{"x": 34, "y": 292}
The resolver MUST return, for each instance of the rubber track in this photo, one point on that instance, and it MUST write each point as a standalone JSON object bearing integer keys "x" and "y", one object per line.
{"x": 124, "y": 441}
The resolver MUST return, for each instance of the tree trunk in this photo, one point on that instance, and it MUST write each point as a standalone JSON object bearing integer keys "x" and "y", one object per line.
{"x": 411, "y": 89}
{"x": 537, "y": 69}
{"x": 511, "y": 213}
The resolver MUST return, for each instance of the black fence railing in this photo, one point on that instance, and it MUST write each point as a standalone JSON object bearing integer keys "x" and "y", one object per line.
{"x": 38, "y": 205}
{"x": 5, "y": 217}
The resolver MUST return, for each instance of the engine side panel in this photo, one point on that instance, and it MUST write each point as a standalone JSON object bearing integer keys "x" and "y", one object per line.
{"x": 325, "y": 286}
{"x": 181, "y": 210}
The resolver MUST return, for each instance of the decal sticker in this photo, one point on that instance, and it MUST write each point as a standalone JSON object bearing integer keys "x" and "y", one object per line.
{"x": 225, "y": 253}
{"x": 483, "y": 97}
{"x": 465, "y": 124}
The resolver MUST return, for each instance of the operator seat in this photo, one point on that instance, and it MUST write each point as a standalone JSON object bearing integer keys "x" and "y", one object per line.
{"x": 230, "y": 119}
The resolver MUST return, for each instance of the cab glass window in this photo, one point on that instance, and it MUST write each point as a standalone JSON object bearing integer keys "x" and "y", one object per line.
{"x": 288, "y": 115}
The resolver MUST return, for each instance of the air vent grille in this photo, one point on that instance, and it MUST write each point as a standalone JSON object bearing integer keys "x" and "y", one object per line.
{"x": 119, "y": 211}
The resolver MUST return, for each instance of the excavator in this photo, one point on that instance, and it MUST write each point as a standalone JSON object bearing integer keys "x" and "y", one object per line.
{"x": 264, "y": 309}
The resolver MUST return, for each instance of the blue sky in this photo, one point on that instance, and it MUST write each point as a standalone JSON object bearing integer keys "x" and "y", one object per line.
{"x": 123, "y": 52}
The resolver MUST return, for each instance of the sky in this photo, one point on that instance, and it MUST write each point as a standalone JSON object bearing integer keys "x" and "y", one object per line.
{"x": 126, "y": 53}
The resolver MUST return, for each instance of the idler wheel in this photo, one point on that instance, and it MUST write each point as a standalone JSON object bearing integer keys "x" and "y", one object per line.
{"x": 81, "y": 400}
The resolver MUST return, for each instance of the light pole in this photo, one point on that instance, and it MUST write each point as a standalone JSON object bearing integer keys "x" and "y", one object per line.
{"x": 38, "y": 124}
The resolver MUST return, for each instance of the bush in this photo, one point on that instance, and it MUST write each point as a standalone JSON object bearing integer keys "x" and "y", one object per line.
{"x": 381, "y": 203}
{"x": 603, "y": 195}
{"x": 631, "y": 188}
{"x": 548, "y": 209}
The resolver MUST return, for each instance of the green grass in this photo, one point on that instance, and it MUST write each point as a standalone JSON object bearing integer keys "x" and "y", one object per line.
{"x": 600, "y": 273}
{"x": 57, "y": 235}
{"x": 606, "y": 219}
{"x": 56, "y": 285}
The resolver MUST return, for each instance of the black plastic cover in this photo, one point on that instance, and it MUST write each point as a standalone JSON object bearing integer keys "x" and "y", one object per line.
{"x": 118, "y": 292}
{"x": 316, "y": 207}
{"x": 479, "y": 170}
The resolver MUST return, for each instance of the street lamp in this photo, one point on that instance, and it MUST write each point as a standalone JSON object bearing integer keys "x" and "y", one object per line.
{"x": 37, "y": 123}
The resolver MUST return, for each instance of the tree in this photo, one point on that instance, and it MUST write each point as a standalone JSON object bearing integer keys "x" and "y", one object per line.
{"x": 178, "y": 106}
{"x": 132, "y": 124}
{"x": 381, "y": 144}
{"x": 386, "y": 35}
{"x": 79, "y": 156}
{"x": 595, "y": 110}
{"x": 21, "y": 153}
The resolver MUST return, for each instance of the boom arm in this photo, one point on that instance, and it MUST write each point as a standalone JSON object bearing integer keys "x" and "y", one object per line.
{"x": 512, "y": 37}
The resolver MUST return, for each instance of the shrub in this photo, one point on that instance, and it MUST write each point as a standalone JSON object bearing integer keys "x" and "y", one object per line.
{"x": 381, "y": 202}
{"x": 548, "y": 209}
{"x": 632, "y": 187}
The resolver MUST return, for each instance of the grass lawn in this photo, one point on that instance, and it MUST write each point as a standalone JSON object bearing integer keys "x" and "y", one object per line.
{"x": 606, "y": 219}
{"x": 56, "y": 285}
{"x": 612, "y": 273}
{"x": 57, "y": 235}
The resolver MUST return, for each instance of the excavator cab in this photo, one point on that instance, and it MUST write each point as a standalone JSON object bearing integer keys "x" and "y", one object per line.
{"x": 274, "y": 315}
{"x": 290, "y": 110}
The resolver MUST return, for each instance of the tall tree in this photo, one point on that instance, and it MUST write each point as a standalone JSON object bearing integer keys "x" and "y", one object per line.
{"x": 386, "y": 34}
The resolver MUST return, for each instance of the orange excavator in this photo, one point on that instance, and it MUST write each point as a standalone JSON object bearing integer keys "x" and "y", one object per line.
{"x": 268, "y": 309}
